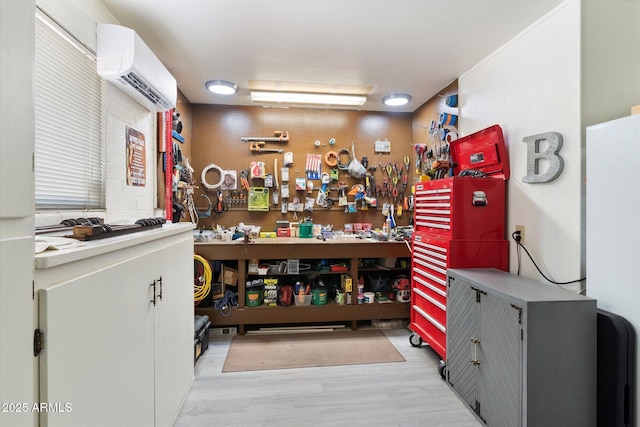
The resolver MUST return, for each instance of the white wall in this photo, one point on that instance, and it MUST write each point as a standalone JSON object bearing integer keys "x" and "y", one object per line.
{"x": 529, "y": 86}
{"x": 126, "y": 201}
{"x": 122, "y": 201}
{"x": 610, "y": 59}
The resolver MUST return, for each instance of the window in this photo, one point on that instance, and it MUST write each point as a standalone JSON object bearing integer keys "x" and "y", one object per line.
{"x": 69, "y": 122}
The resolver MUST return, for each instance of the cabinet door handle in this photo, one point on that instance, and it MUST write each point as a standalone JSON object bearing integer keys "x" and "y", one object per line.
{"x": 475, "y": 341}
{"x": 153, "y": 285}
{"x": 160, "y": 294}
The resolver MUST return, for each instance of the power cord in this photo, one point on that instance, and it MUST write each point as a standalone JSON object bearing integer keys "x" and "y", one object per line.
{"x": 517, "y": 237}
{"x": 224, "y": 304}
{"x": 202, "y": 275}
{"x": 406, "y": 242}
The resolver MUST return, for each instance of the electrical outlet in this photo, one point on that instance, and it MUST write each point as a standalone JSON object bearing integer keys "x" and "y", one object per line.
{"x": 520, "y": 228}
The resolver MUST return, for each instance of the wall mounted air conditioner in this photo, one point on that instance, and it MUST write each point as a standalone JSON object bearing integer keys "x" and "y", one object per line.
{"x": 126, "y": 61}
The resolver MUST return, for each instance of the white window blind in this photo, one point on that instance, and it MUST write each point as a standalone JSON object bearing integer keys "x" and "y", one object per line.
{"x": 69, "y": 122}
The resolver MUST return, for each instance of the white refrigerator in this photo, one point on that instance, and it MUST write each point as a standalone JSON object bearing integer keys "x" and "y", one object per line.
{"x": 613, "y": 221}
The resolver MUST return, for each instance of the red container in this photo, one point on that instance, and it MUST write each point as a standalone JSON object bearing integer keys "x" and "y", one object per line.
{"x": 483, "y": 151}
{"x": 459, "y": 223}
{"x": 283, "y": 232}
{"x": 466, "y": 207}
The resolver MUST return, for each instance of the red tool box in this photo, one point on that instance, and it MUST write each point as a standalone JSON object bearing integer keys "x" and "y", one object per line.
{"x": 459, "y": 223}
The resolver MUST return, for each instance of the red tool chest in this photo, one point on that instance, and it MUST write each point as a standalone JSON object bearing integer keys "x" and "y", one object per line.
{"x": 459, "y": 223}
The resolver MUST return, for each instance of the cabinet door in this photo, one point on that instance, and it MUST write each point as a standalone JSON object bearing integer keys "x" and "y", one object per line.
{"x": 500, "y": 356}
{"x": 173, "y": 330}
{"x": 462, "y": 329}
{"x": 17, "y": 367}
{"x": 98, "y": 353}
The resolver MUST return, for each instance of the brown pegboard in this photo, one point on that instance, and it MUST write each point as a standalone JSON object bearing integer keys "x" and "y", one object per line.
{"x": 216, "y": 138}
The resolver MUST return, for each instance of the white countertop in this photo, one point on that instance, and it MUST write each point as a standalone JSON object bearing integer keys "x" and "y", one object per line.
{"x": 52, "y": 258}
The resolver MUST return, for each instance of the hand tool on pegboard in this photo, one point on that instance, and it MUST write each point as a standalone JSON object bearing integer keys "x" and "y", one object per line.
{"x": 394, "y": 166}
{"x": 394, "y": 190}
{"x": 220, "y": 205}
{"x": 257, "y": 147}
{"x": 441, "y": 167}
{"x": 385, "y": 186}
{"x": 405, "y": 181}
{"x": 372, "y": 180}
{"x": 280, "y": 136}
{"x": 244, "y": 179}
{"x": 276, "y": 193}
{"x": 427, "y": 160}
{"x": 419, "y": 149}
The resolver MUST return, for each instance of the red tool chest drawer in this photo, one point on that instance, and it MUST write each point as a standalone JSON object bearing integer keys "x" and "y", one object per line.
{"x": 461, "y": 207}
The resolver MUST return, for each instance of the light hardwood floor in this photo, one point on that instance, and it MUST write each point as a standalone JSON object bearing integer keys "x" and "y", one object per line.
{"x": 410, "y": 393}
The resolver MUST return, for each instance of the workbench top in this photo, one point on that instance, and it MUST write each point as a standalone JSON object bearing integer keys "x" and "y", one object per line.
{"x": 296, "y": 247}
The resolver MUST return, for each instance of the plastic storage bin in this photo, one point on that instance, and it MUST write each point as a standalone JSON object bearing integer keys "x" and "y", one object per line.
{"x": 302, "y": 299}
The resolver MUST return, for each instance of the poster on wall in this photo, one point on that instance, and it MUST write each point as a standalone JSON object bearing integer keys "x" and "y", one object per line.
{"x": 136, "y": 158}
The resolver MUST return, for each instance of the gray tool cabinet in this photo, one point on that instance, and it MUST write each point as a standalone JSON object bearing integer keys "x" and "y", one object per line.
{"x": 521, "y": 352}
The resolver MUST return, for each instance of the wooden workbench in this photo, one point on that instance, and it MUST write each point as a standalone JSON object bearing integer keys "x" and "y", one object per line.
{"x": 283, "y": 248}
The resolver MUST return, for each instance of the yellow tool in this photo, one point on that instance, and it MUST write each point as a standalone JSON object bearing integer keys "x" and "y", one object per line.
{"x": 407, "y": 162}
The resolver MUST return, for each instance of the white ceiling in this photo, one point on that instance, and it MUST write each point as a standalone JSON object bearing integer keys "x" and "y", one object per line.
{"x": 412, "y": 46}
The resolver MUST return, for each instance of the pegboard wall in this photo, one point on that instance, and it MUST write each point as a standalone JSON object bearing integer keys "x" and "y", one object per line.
{"x": 217, "y": 138}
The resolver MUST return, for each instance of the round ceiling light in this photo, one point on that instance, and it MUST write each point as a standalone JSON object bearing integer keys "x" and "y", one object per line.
{"x": 221, "y": 87}
{"x": 396, "y": 99}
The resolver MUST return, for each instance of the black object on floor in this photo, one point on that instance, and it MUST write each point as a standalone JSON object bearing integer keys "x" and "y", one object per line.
{"x": 616, "y": 370}
{"x": 201, "y": 337}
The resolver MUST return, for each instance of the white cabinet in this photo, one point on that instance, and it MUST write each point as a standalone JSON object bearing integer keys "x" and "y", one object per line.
{"x": 613, "y": 253}
{"x": 173, "y": 346}
{"x": 519, "y": 352}
{"x": 112, "y": 356}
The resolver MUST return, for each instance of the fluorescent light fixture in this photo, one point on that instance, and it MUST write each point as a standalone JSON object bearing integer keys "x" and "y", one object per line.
{"x": 396, "y": 99}
{"x": 307, "y": 98}
{"x": 221, "y": 87}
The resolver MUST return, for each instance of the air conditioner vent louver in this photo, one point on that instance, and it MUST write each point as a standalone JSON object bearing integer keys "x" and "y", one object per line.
{"x": 141, "y": 86}
{"x": 125, "y": 60}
